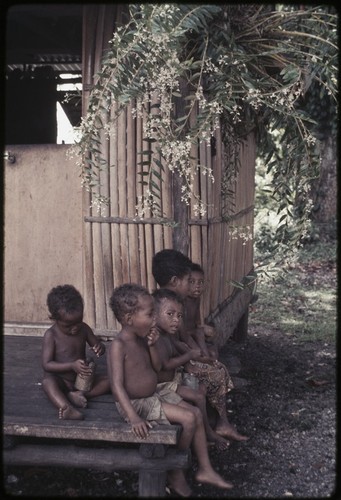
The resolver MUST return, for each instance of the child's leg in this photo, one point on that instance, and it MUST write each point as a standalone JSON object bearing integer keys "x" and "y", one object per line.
{"x": 54, "y": 389}
{"x": 101, "y": 386}
{"x": 217, "y": 381}
{"x": 225, "y": 428}
{"x": 180, "y": 414}
{"x": 199, "y": 400}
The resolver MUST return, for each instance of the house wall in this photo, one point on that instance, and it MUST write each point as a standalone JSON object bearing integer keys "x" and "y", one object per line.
{"x": 118, "y": 246}
{"x": 43, "y": 231}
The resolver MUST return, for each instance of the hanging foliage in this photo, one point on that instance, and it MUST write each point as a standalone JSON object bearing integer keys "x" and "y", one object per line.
{"x": 243, "y": 67}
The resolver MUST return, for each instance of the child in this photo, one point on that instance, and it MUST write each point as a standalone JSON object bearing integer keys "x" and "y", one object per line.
{"x": 63, "y": 353}
{"x": 171, "y": 269}
{"x": 213, "y": 375}
{"x": 133, "y": 363}
{"x": 193, "y": 323}
{"x": 169, "y": 314}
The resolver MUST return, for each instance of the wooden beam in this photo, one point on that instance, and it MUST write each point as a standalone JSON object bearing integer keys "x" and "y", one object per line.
{"x": 105, "y": 458}
{"x": 114, "y": 431}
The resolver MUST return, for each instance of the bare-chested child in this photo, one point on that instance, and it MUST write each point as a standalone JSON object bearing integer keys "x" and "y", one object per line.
{"x": 64, "y": 353}
{"x": 169, "y": 316}
{"x": 193, "y": 323}
{"x": 140, "y": 399}
{"x": 172, "y": 269}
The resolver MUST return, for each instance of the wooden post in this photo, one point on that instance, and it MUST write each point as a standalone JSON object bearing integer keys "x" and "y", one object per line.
{"x": 240, "y": 333}
{"x": 152, "y": 483}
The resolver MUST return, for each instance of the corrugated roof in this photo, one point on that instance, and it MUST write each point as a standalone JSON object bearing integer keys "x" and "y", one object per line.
{"x": 38, "y": 35}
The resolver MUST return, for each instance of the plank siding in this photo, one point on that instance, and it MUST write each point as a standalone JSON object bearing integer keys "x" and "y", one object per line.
{"x": 123, "y": 246}
{"x": 117, "y": 247}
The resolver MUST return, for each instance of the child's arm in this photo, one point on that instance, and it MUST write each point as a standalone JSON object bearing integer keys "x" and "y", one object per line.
{"x": 179, "y": 359}
{"x": 94, "y": 342}
{"x": 199, "y": 337}
{"x": 152, "y": 339}
{"x": 116, "y": 357}
{"x": 192, "y": 342}
{"x": 50, "y": 365}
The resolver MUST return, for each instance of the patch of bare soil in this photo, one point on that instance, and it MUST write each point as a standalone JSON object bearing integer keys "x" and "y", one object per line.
{"x": 285, "y": 400}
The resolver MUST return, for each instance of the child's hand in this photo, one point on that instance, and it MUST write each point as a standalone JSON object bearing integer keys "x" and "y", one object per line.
{"x": 153, "y": 336}
{"x": 98, "y": 349}
{"x": 141, "y": 428}
{"x": 209, "y": 331}
{"x": 81, "y": 367}
{"x": 195, "y": 354}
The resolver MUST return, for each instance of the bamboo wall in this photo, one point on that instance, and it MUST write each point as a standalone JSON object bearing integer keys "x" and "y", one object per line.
{"x": 118, "y": 248}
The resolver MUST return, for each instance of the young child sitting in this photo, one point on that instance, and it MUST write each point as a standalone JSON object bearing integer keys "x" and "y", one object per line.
{"x": 169, "y": 314}
{"x": 64, "y": 351}
{"x": 193, "y": 323}
{"x": 140, "y": 399}
{"x": 213, "y": 375}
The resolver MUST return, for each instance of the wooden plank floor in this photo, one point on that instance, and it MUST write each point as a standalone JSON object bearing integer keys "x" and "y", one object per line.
{"x": 34, "y": 435}
{"x": 28, "y": 412}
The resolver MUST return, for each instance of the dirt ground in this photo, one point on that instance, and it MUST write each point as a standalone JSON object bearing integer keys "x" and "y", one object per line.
{"x": 285, "y": 400}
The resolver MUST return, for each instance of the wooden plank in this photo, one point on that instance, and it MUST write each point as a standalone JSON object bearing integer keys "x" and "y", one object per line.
{"x": 151, "y": 484}
{"x": 28, "y": 412}
{"x": 113, "y": 431}
{"x": 107, "y": 459}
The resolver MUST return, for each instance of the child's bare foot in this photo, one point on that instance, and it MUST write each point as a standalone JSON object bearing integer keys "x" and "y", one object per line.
{"x": 230, "y": 432}
{"x": 212, "y": 477}
{"x": 70, "y": 413}
{"x": 77, "y": 398}
{"x": 220, "y": 443}
{"x": 177, "y": 483}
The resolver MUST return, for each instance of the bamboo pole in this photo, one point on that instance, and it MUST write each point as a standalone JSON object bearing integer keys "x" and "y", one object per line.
{"x": 194, "y": 230}
{"x": 89, "y": 29}
{"x": 139, "y": 190}
{"x": 99, "y": 286}
{"x": 122, "y": 193}
{"x": 131, "y": 197}
{"x": 115, "y": 232}
{"x": 148, "y": 230}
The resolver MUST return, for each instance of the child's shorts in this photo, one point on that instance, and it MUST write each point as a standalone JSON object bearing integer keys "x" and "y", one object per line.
{"x": 150, "y": 408}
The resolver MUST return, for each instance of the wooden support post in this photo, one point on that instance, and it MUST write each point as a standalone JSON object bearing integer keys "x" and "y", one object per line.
{"x": 240, "y": 333}
{"x": 152, "y": 483}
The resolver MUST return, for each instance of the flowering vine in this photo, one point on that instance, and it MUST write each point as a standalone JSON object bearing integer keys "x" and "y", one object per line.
{"x": 242, "y": 67}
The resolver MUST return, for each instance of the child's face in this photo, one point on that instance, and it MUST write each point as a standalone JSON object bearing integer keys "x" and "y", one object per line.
{"x": 70, "y": 323}
{"x": 182, "y": 285}
{"x": 169, "y": 316}
{"x": 196, "y": 284}
{"x": 144, "y": 317}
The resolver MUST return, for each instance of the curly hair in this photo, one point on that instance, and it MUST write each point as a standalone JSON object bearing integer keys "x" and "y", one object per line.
{"x": 169, "y": 263}
{"x": 124, "y": 299}
{"x": 197, "y": 268}
{"x": 164, "y": 293}
{"x": 66, "y": 298}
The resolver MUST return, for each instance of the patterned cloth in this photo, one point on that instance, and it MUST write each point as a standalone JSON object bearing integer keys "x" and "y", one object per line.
{"x": 216, "y": 380}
